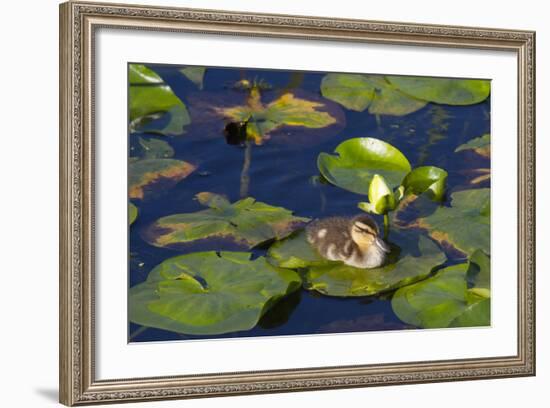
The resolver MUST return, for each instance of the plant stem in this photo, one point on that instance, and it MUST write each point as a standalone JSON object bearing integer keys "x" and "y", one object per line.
{"x": 378, "y": 121}
{"x": 245, "y": 178}
{"x": 386, "y": 226}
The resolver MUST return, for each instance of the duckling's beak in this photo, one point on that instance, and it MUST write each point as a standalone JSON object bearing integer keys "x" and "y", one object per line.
{"x": 382, "y": 245}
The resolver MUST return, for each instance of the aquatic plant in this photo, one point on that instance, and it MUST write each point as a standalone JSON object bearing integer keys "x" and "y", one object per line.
{"x": 379, "y": 170}
{"x": 194, "y": 74}
{"x": 287, "y": 110}
{"x": 153, "y": 148}
{"x": 254, "y": 121}
{"x": 359, "y": 92}
{"x": 211, "y": 293}
{"x": 132, "y": 213}
{"x": 400, "y": 95}
{"x": 206, "y": 293}
{"x": 465, "y": 225}
{"x": 446, "y": 91}
{"x": 246, "y": 223}
{"x": 145, "y": 174}
{"x": 412, "y": 258}
{"x": 456, "y": 296}
{"x": 149, "y": 99}
{"x": 481, "y": 145}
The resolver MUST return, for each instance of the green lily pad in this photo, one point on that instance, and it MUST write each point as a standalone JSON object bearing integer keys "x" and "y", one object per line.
{"x": 464, "y": 225}
{"x": 357, "y": 160}
{"x": 287, "y": 110}
{"x": 155, "y": 148}
{"x": 337, "y": 279}
{"x": 206, "y": 293}
{"x": 140, "y": 74}
{"x": 479, "y": 273}
{"x": 132, "y": 213}
{"x": 444, "y": 300}
{"x": 426, "y": 179}
{"x": 195, "y": 75}
{"x": 443, "y": 90}
{"x": 247, "y": 223}
{"x": 481, "y": 145}
{"x": 146, "y": 173}
{"x": 150, "y": 99}
{"x": 359, "y": 92}
{"x": 294, "y": 252}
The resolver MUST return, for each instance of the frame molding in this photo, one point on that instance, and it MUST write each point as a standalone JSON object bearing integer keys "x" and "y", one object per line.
{"x": 78, "y": 22}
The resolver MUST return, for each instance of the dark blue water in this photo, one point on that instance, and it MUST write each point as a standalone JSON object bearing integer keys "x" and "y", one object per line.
{"x": 280, "y": 175}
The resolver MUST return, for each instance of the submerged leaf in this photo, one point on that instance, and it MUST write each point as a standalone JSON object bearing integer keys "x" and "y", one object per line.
{"x": 337, "y": 279}
{"x": 481, "y": 145}
{"x": 155, "y": 149}
{"x": 132, "y": 213}
{"x": 466, "y": 224}
{"x": 206, "y": 293}
{"x": 484, "y": 175}
{"x": 444, "y": 300}
{"x": 359, "y": 92}
{"x": 194, "y": 74}
{"x": 246, "y": 222}
{"x": 357, "y": 160}
{"x": 145, "y": 173}
{"x": 148, "y": 97}
{"x": 446, "y": 91}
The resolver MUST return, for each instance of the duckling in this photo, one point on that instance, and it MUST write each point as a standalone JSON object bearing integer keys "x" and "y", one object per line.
{"x": 352, "y": 240}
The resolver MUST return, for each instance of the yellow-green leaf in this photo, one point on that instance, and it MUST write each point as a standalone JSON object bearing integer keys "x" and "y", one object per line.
{"x": 246, "y": 223}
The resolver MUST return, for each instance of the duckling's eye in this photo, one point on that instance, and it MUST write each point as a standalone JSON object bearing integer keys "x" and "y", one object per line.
{"x": 366, "y": 228}
{"x": 363, "y": 231}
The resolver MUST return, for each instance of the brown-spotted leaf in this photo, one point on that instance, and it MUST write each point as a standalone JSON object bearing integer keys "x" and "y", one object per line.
{"x": 295, "y": 117}
{"x": 246, "y": 223}
{"x": 144, "y": 174}
{"x": 287, "y": 110}
{"x": 465, "y": 225}
{"x": 481, "y": 145}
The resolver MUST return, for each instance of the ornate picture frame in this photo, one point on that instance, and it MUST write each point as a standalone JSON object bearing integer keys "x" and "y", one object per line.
{"x": 79, "y": 22}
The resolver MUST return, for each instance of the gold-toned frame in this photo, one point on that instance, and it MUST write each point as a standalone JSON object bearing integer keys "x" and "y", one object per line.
{"x": 78, "y": 22}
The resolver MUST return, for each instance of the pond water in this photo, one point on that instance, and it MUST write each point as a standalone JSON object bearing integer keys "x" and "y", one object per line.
{"x": 281, "y": 174}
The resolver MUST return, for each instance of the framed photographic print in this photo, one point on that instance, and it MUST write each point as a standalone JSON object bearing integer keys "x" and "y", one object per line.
{"x": 261, "y": 203}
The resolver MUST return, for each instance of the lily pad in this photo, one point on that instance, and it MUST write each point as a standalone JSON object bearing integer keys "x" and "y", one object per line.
{"x": 357, "y": 160}
{"x": 155, "y": 148}
{"x": 294, "y": 252}
{"x": 337, "y": 279}
{"x": 286, "y": 110}
{"x": 479, "y": 273}
{"x": 246, "y": 223}
{"x": 140, "y": 74}
{"x": 426, "y": 179}
{"x": 206, "y": 293}
{"x": 150, "y": 99}
{"x": 144, "y": 174}
{"x": 359, "y": 92}
{"x": 465, "y": 225}
{"x": 132, "y": 213}
{"x": 481, "y": 145}
{"x": 444, "y": 300}
{"x": 445, "y": 91}
{"x": 195, "y": 75}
